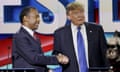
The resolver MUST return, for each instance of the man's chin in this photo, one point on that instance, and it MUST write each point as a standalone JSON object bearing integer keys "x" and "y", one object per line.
{"x": 35, "y": 29}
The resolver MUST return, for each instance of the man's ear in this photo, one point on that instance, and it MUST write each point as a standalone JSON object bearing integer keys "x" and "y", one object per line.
{"x": 25, "y": 18}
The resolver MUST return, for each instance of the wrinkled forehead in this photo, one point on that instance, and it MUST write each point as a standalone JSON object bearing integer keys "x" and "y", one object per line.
{"x": 75, "y": 7}
{"x": 33, "y": 12}
{"x": 77, "y": 10}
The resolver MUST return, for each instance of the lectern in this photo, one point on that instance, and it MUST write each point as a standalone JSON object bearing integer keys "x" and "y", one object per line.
{"x": 18, "y": 70}
{"x": 99, "y": 69}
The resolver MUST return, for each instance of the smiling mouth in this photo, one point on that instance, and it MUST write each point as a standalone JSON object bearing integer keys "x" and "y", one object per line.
{"x": 37, "y": 25}
{"x": 80, "y": 20}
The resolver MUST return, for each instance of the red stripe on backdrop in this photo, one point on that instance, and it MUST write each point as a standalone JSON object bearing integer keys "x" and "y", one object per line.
{"x": 4, "y": 50}
{"x": 96, "y": 15}
{"x": 119, "y": 9}
{"x": 46, "y": 41}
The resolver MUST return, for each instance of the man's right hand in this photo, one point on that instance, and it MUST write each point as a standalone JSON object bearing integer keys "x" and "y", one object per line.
{"x": 62, "y": 59}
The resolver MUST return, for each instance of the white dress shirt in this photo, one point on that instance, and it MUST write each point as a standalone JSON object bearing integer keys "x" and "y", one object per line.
{"x": 84, "y": 35}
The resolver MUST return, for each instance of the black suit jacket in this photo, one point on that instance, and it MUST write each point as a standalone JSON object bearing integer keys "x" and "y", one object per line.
{"x": 27, "y": 53}
{"x": 63, "y": 43}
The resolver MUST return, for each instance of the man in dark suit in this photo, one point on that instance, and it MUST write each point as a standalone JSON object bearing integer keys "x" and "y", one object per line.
{"x": 27, "y": 52}
{"x": 65, "y": 40}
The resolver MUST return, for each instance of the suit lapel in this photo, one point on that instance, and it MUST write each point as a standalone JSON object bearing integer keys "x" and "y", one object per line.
{"x": 89, "y": 32}
{"x": 69, "y": 39}
{"x": 71, "y": 45}
{"x": 36, "y": 42}
{"x": 69, "y": 35}
{"x": 25, "y": 32}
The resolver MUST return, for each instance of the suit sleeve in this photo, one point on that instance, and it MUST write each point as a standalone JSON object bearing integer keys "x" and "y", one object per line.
{"x": 57, "y": 47}
{"x": 31, "y": 55}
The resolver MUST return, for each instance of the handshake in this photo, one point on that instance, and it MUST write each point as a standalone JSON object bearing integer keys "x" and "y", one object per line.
{"x": 62, "y": 58}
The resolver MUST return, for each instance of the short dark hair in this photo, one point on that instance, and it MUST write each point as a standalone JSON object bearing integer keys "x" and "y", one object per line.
{"x": 25, "y": 11}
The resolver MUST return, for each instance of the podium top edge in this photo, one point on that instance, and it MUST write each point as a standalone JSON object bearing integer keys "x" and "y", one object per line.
{"x": 19, "y": 69}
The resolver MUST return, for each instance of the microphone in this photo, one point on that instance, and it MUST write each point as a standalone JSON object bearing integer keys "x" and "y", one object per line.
{"x": 8, "y": 57}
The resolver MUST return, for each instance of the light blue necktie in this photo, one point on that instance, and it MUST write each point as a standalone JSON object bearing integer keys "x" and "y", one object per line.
{"x": 81, "y": 52}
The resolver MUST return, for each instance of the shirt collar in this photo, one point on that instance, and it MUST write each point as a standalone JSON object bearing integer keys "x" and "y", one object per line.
{"x": 31, "y": 32}
{"x": 74, "y": 27}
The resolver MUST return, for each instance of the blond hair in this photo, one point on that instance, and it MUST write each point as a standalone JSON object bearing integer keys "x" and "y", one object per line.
{"x": 74, "y": 6}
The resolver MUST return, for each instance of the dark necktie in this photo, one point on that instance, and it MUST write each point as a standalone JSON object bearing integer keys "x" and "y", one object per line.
{"x": 35, "y": 36}
{"x": 81, "y": 52}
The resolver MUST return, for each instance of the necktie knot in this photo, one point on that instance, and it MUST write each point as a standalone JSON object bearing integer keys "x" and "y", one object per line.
{"x": 78, "y": 28}
{"x": 35, "y": 35}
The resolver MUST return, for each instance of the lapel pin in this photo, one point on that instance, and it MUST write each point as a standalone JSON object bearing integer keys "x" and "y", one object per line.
{"x": 90, "y": 31}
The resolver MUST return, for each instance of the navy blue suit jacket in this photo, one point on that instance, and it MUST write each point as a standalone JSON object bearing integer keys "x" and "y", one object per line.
{"x": 27, "y": 53}
{"x": 63, "y": 43}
